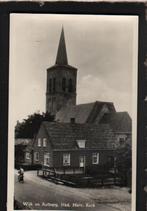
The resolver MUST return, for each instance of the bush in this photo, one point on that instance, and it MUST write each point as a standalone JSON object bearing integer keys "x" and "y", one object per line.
{"x": 27, "y": 167}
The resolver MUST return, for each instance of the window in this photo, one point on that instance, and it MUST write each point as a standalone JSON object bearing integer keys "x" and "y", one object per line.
{"x": 95, "y": 158}
{"x": 82, "y": 161}
{"x": 64, "y": 84}
{"x": 54, "y": 84}
{"x": 66, "y": 159}
{"x": 81, "y": 143}
{"x": 50, "y": 85}
{"x": 36, "y": 156}
{"x": 70, "y": 87}
{"x": 28, "y": 155}
{"x": 39, "y": 142}
{"x": 47, "y": 159}
{"x": 44, "y": 142}
{"x": 121, "y": 141}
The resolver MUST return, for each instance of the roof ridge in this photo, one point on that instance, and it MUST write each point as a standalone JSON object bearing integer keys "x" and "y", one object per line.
{"x": 92, "y": 111}
{"x": 88, "y": 103}
{"x": 94, "y": 102}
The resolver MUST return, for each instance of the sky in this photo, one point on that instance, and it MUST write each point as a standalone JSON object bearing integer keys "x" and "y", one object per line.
{"x": 103, "y": 48}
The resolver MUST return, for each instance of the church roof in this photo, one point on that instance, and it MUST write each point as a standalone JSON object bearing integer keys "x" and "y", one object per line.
{"x": 120, "y": 122}
{"x": 64, "y": 136}
{"x": 61, "y": 58}
{"x": 64, "y": 67}
{"x": 83, "y": 112}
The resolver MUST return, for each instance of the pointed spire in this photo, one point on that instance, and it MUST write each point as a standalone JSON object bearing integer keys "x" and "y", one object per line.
{"x": 61, "y": 58}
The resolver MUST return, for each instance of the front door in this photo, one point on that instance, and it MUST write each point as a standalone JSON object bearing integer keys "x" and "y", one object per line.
{"x": 82, "y": 161}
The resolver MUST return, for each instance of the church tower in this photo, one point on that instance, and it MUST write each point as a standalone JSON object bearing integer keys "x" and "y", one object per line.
{"x": 61, "y": 81}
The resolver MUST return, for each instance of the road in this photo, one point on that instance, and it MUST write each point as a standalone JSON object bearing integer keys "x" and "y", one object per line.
{"x": 40, "y": 194}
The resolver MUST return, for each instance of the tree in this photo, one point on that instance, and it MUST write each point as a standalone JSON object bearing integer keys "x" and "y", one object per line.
{"x": 29, "y": 127}
{"x": 124, "y": 164}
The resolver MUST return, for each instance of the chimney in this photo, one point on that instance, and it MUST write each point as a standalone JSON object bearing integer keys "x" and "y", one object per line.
{"x": 72, "y": 120}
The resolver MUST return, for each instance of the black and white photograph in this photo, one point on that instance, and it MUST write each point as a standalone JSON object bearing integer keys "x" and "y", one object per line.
{"x": 72, "y": 112}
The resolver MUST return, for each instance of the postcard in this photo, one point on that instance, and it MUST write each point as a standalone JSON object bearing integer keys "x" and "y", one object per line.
{"x": 72, "y": 112}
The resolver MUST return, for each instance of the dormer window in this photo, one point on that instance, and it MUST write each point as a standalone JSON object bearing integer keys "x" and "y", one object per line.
{"x": 44, "y": 142}
{"x": 81, "y": 143}
{"x": 39, "y": 142}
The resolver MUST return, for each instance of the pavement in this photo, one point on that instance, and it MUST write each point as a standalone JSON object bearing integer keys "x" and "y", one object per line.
{"x": 40, "y": 194}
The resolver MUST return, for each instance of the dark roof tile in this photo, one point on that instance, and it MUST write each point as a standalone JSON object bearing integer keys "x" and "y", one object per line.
{"x": 65, "y": 135}
{"x": 120, "y": 122}
{"x": 83, "y": 112}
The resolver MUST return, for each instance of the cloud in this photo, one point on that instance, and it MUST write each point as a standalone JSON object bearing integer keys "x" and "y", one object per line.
{"x": 100, "y": 50}
{"x": 91, "y": 88}
{"x": 32, "y": 100}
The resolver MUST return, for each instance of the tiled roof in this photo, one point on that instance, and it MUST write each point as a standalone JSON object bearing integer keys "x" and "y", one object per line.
{"x": 61, "y": 54}
{"x": 24, "y": 142}
{"x": 119, "y": 121}
{"x": 79, "y": 112}
{"x": 61, "y": 58}
{"x": 83, "y": 112}
{"x": 65, "y": 135}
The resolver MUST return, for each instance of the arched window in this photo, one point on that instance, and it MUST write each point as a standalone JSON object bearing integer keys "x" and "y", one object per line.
{"x": 50, "y": 85}
{"x": 54, "y": 84}
{"x": 70, "y": 86}
{"x": 64, "y": 84}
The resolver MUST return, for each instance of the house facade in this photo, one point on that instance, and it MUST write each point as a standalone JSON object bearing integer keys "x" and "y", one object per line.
{"x": 121, "y": 124}
{"x": 23, "y": 152}
{"x": 73, "y": 147}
